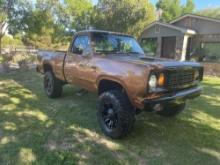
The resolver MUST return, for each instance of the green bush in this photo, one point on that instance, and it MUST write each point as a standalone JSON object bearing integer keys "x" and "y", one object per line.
{"x": 5, "y": 58}
{"x": 20, "y": 57}
{"x": 1, "y": 59}
{"x": 7, "y": 41}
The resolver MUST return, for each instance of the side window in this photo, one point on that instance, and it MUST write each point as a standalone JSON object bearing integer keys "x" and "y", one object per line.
{"x": 80, "y": 43}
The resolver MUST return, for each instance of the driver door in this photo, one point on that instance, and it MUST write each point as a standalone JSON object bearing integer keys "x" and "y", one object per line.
{"x": 77, "y": 66}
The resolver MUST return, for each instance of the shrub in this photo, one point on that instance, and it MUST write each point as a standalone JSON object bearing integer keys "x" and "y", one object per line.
{"x": 4, "y": 60}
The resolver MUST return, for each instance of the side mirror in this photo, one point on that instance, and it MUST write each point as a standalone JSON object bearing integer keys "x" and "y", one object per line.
{"x": 86, "y": 53}
{"x": 78, "y": 50}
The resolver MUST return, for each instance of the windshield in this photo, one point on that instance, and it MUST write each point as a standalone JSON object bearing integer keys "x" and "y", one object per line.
{"x": 112, "y": 43}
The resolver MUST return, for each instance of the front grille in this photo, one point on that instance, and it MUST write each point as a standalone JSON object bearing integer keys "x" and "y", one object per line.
{"x": 180, "y": 79}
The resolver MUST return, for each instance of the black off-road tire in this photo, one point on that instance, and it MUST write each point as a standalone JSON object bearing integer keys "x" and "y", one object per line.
{"x": 171, "y": 110}
{"x": 52, "y": 86}
{"x": 123, "y": 112}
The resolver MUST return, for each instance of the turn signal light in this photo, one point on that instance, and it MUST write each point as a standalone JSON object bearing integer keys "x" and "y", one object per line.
{"x": 161, "y": 80}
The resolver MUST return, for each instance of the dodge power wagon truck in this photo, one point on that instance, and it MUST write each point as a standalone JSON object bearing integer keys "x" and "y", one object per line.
{"x": 126, "y": 80}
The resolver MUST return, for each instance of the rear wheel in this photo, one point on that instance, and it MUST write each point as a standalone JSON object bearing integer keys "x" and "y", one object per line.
{"x": 52, "y": 86}
{"x": 116, "y": 115}
{"x": 171, "y": 110}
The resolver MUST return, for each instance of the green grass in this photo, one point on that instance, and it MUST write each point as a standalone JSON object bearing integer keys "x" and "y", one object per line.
{"x": 38, "y": 130}
{"x": 1, "y": 59}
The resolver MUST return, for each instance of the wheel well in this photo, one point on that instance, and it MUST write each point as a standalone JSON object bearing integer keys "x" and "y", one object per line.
{"x": 106, "y": 85}
{"x": 47, "y": 67}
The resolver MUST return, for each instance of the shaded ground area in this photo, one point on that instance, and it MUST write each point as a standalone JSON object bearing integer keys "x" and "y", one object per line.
{"x": 38, "y": 130}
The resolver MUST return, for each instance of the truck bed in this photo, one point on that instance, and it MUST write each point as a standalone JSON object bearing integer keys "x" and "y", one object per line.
{"x": 50, "y": 53}
{"x": 52, "y": 58}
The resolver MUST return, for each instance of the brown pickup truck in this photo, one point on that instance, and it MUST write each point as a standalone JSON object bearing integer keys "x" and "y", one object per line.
{"x": 126, "y": 80}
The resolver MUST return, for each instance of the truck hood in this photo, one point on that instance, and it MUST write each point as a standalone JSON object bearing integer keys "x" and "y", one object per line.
{"x": 151, "y": 61}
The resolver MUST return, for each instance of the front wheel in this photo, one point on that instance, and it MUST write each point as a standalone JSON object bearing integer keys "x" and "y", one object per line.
{"x": 52, "y": 86}
{"x": 116, "y": 115}
{"x": 171, "y": 110}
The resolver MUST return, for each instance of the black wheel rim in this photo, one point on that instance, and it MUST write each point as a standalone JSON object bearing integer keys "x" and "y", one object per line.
{"x": 110, "y": 116}
{"x": 48, "y": 84}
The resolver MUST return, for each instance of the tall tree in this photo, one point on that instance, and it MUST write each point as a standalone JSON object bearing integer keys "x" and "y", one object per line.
{"x": 189, "y": 7}
{"x": 44, "y": 23}
{"x": 6, "y": 7}
{"x": 78, "y": 13}
{"x": 210, "y": 12}
{"x": 36, "y": 21}
{"x": 171, "y": 9}
{"x": 126, "y": 16}
{"x": 21, "y": 11}
{"x": 3, "y": 27}
{"x": 40, "y": 24}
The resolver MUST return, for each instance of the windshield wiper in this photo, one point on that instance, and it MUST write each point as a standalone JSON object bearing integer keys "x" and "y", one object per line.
{"x": 119, "y": 52}
{"x": 105, "y": 51}
{"x": 134, "y": 52}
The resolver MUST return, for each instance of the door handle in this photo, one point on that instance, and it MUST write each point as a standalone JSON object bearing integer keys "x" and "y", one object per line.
{"x": 93, "y": 67}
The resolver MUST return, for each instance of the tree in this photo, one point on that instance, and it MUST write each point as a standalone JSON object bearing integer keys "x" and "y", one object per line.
{"x": 171, "y": 9}
{"x": 17, "y": 21}
{"x": 78, "y": 13}
{"x": 126, "y": 16}
{"x": 189, "y": 7}
{"x": 36, "y": 21}
{"x": 210, "y": 12}
{"x": 3, "y": 27}
{"x": 45, "y": 23}
{"x": 5, "y": 8}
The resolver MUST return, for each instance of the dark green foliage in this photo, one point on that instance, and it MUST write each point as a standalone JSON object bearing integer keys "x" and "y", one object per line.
{"x": 189, "y": 8}
{"x": 173, "y": 8}
{"x": 48, "y": 24}
{"x": 126, "y": 16}
{"x": 6, "y": 7}
{"x": 210, "y": 12}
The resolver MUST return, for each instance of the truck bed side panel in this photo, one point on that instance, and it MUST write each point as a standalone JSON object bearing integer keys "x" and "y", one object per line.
{"x": 55, "y": 60}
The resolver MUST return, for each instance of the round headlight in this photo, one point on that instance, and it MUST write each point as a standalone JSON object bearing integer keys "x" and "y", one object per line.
{"x": 153, "y": 81}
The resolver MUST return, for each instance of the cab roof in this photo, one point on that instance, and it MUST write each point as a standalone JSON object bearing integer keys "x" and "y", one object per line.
{"x": 102, "y": 31}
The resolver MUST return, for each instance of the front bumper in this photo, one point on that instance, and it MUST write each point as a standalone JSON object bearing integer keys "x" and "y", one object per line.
{"x": 175, "y": 97}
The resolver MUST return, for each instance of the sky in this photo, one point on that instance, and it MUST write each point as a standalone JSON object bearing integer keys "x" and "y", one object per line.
{"x": 200, "y": 4}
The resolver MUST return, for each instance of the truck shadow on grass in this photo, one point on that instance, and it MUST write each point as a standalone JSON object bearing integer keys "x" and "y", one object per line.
{"x": 38, "y": 130}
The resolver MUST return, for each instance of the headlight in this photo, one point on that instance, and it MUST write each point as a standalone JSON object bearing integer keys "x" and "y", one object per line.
{"x": 152, "y": 81}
